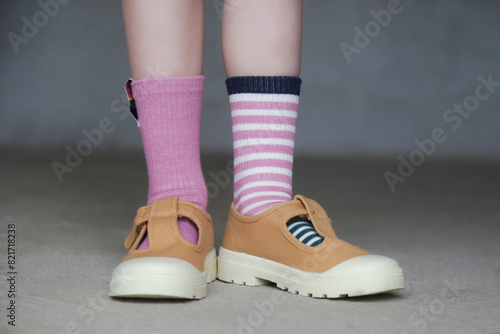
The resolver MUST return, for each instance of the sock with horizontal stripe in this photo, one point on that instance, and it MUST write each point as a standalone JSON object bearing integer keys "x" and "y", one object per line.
{"x": 264, "y": 116}
{"x": 302, "y": 229}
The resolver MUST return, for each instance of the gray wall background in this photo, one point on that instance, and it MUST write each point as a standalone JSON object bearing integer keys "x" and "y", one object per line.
{"x": 67, "y": 76}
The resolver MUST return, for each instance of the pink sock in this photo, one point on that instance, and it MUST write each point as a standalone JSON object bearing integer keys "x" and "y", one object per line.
{"x": 264, "y": 115}
{"x": 169, "y": 112}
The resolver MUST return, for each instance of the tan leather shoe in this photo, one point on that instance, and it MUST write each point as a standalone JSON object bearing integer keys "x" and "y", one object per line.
{"x": 171, "y": 267}
{"x": 260, "y": 249}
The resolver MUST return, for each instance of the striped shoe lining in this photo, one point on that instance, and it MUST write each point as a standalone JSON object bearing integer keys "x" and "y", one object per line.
{"x": 303, "y": 230}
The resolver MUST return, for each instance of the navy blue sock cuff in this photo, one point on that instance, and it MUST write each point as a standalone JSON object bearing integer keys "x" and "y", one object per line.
{"x": 264, "y": 85}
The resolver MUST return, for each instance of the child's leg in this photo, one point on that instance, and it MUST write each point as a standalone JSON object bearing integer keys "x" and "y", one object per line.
{"x": 165, "y": 42}
{"x": 262, "y": 48}
{"x": 171, "y": 252}
{"x": 164, "y": 38}
{"x": 262, "y": 37}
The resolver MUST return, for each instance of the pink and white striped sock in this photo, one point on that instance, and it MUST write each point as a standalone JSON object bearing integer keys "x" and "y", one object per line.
{"x": 264, "y": 115}
{"x": 169, "y": 112}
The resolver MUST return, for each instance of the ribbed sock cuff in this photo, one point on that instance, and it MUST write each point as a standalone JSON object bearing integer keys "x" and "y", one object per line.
{"x": 145, "y": 88}
{"x": 264, "y": 85}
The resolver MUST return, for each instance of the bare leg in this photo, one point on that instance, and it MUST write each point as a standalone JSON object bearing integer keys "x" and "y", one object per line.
{"x": 164, "y": 37}
{"x": 261, "y": 43}
{"x": 165, "y": 43}
{"x": 262, "y": 37}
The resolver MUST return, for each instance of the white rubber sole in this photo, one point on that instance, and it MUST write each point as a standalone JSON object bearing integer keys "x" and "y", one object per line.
{"x": 162, "y": 277}
{"x": 359, "y": 276}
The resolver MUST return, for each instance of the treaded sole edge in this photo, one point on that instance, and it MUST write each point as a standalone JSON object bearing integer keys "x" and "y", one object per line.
{"x": 241, "y": 268}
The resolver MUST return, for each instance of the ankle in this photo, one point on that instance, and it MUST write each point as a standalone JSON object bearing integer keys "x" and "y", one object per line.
{"x": 196, "y": 196}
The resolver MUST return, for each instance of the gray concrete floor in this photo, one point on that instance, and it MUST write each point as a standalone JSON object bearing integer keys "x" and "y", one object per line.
{"x": 442, "y": 225}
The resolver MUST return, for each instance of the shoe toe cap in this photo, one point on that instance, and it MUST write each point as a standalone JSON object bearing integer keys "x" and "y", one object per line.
{"x": 156, "y": 265}
{"x": 365, "y": 264}
{"x": 157, "y": 277}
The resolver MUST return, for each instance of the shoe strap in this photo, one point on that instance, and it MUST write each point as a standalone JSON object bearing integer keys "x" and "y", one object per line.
{"x": 317, "y": 215}
{"x": 183, "y": 209}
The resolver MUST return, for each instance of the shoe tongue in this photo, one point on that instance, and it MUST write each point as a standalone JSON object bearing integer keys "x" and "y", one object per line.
{"x": 317, "y": 215}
